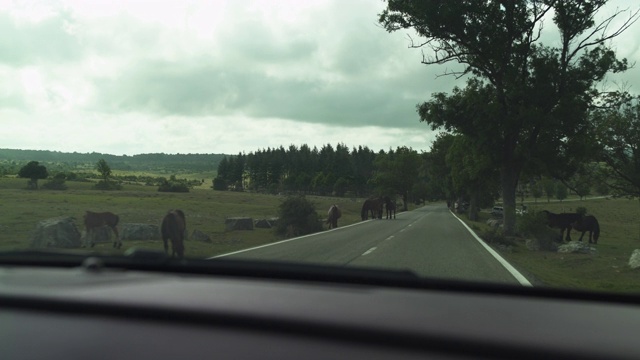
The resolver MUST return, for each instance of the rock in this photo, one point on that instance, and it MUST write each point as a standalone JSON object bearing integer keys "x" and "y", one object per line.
{"x": 634, "y": 260}
{"x": 60, "y": 232}
{"x": 263, "y": 224}
{"x": 198, "y": 235}
{"x": 238, "y": 223}
{"x": 576, "y": 247}
{"x": 140, "y": 232}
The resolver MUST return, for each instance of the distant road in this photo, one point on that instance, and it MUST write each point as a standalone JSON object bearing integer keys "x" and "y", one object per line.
{"x": 430, "y": 241}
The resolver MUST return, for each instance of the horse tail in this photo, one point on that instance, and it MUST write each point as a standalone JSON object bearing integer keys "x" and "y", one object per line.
{"x": 596, "y": 230}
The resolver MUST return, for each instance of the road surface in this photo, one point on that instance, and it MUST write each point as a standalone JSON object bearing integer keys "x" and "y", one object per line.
{"x": 430, "y": 241}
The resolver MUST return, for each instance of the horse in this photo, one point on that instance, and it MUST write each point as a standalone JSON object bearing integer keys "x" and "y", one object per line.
{"x": 333, "y": 215}
{"x": 562, "y": 221}
{"x": 174, "y": 225}
{"x": 588, "y": 223}
{"x": 373, "y": 205}
{"x": 93, "y": 220}
{"x": 390, "y": 206}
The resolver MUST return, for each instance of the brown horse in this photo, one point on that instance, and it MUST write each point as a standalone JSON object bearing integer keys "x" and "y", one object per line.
{"x": 94, "y": 220}
{"x": 333, "y": 215}
{"x": 588, "y": 223}
{"x": 174, "y": 225}
{"x": 562, "y": 221}
{"x": 390, "y": 205}
{"x": 373, "y": 205}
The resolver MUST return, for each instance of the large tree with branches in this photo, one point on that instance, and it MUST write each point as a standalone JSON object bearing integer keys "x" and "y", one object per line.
{"x": 525, "y": 102}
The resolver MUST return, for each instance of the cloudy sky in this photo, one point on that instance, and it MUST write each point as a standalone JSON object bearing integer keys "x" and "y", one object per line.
{"x": 217, "y": 76}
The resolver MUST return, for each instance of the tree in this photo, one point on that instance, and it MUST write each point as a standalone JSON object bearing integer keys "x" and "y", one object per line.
{"x": 396, "y": 172}
{"x": 297, "y": 216}
{"x": 619, "y": 134}
{"x": 531, "y": 99}
{"x": 33, "y": 171}
{"x": 561, "y": 191}
{"x": 104, "y": 170}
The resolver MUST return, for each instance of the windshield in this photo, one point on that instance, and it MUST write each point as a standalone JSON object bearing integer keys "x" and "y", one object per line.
{"x": 461, "y": 140}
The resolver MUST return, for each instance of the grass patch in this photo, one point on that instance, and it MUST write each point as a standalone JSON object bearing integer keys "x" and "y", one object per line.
{"x": 206, "y": 210}
{"x": 607, "y": 270}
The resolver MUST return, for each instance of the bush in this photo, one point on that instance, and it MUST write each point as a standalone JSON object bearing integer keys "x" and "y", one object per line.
{"x": 107, "y": 185}
{"x": 297, "y": 216}
{"x": 219, "y": 184}
{"x": 534, "y": 224}
{"x": 173, "y": 186}
{"x": 55, "y": 184}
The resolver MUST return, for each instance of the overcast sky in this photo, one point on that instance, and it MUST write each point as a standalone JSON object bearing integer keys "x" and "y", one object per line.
{"x": 131, "y": 77}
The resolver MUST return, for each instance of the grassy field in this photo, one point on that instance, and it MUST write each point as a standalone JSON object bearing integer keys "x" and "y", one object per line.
{"x": 206, "y": 210}
{"x": 607, "y": 270}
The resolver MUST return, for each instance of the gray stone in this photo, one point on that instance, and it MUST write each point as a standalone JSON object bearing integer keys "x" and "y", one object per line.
{"x": 634, "y": 260}
{"x": 60, "y": 232}
{"x": 576, "y": 247}
{"x": 263, "y": 224}
{"x": 140, "y": 232}
{"x": 198, "y": 235}
{"x": 238, "y": 223}
{"x": 100, "y": 234}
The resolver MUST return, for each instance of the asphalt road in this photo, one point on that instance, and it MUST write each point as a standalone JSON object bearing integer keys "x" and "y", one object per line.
{"x": 430, "y": 241}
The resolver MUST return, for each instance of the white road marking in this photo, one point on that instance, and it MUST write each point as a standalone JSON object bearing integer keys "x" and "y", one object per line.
{"x": 516, "y": 274}
{"x": 389, "y": 238}
{"x": 369, "y": 251}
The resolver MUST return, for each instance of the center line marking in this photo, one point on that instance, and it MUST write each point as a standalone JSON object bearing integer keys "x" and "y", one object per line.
{"x": 369, "y": 251}
{"x": 389, "y": 238}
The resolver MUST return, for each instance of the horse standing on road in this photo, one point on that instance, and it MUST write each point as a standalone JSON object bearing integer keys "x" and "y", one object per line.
{"x": 390, "y": 205}
{"x": 94, "y": 220}
{"x": 562, "y": 221}
{"x": 333, "y": 215}
{"x": 588, "y": 223}
{"x": 373, "y": 205}
{"x": 174, "y": 225}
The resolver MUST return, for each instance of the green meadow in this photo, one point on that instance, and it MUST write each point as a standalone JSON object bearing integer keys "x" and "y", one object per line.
{"x": 206, "y": 210}
{"x": 606, "y": 270}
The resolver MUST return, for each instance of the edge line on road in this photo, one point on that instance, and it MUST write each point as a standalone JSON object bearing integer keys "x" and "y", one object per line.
{"x": 286, "y": 240}
{"x": 515, "y": 273}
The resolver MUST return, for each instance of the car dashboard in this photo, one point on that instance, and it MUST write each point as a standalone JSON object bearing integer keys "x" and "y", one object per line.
{"x": 58, "y": 312}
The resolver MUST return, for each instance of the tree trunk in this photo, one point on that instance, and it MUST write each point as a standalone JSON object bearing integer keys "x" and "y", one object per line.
{"x": 473, "y": 206}
{"x": 405, "y": 196}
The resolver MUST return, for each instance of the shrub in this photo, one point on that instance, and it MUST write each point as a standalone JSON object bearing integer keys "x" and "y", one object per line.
{"x": 173, "y": 186}
{"x": 55, "y": 184}
{"x": 534, "y": 224}
{"x": 297, "y": 216}
{"x": 107, "y": 185}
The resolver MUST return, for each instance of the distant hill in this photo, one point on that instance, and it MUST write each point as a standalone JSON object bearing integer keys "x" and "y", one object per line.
{"x": 158, "y": 162}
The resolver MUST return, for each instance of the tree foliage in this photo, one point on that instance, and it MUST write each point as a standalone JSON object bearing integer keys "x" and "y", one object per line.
{"x": 33, "y": 171}
{"x": 525, "y": 103}
{"x": 297, "y": 216}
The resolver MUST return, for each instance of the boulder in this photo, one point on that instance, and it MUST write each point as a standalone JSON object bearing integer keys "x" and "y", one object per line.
{"x": 238, "y": 223}
{"x": 140, "y": 232}
{"x": 576, "y": 247}
{"x": 634, "y": 260}
{"x": 60, "y": 232}
{"x": 198, "y": 235}
{"x": 263, "y": 224}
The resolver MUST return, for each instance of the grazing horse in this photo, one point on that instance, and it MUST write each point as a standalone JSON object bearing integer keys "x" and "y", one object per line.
{"x": 94, "y": 220}
{"x": 588, "y": 223}
{"x": 333, "y": 215}
{"x": 373, "y": 205}
{"x": 562, "y": 221}
{"x": 390, "y": 206}
{"x": 173, "y": 227}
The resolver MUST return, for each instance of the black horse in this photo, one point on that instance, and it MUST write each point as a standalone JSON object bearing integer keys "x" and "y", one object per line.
{"x": 588, "y": 223}
{"x": 373, "y": 205}
{"x": 390, "y": 205}
{"x": 562, "y": 221}
{"x": 173, "y": 227}
{"x": 94, "y": 220}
